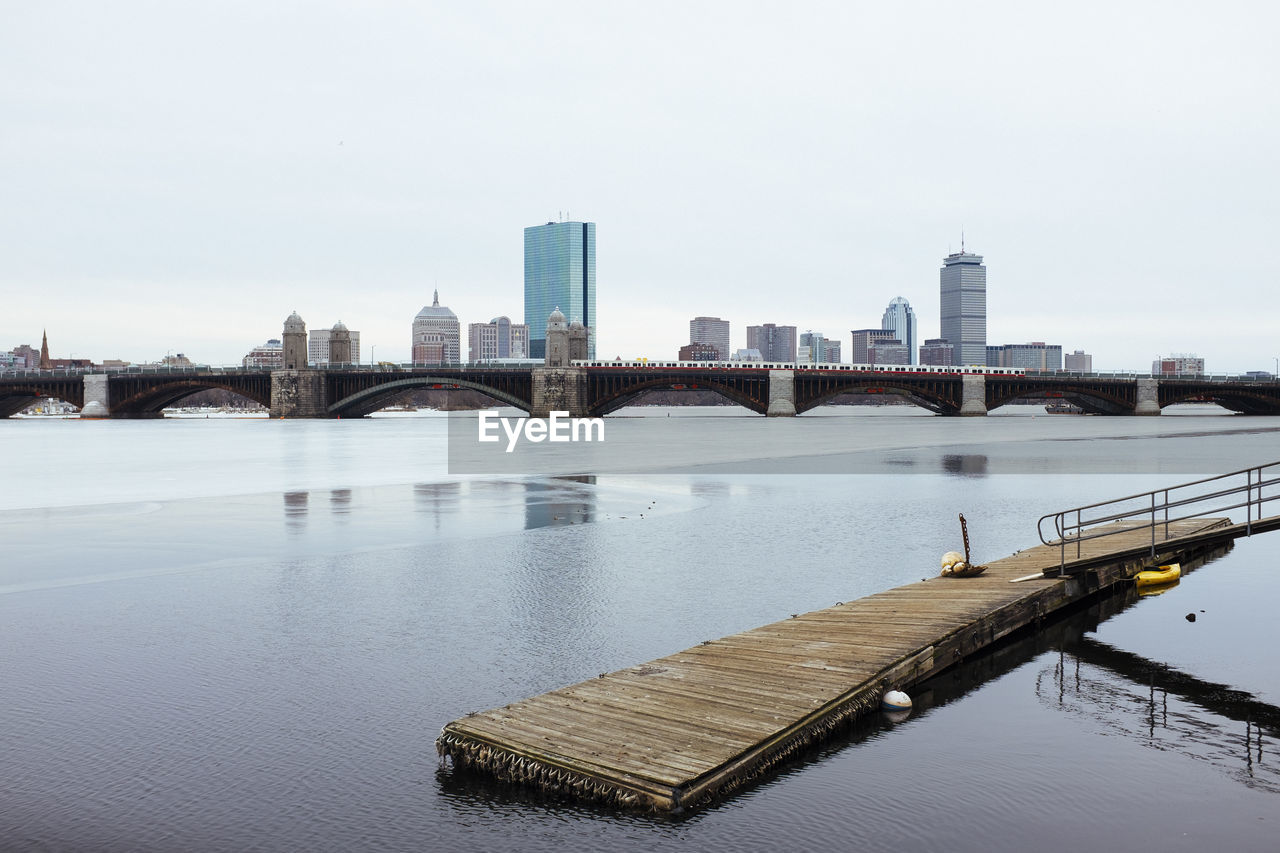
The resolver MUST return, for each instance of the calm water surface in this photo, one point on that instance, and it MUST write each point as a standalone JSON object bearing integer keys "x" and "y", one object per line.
{"x": 245, "y": 635}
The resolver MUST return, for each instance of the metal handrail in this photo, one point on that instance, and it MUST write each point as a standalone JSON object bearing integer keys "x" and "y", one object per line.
{"x": 1073, "y": 525}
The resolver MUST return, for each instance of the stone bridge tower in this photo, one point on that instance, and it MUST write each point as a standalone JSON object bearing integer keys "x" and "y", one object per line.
{"x": 339, "y": 344}
{"x": 557, "y": 340}
{"x": 577, "y": 341}
{"x": 295, "y": 343}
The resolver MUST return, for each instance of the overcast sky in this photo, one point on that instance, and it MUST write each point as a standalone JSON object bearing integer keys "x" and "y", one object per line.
{"x": 180, "y": 176}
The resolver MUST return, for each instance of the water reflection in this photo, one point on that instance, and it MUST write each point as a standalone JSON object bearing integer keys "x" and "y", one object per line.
{"x": 559, "y": 502}
{"x": 295, "y": 511}
{"x": 438, "y": 499}
{"x": 340, "y": 502}
{"x": 966, "y": 464}
{"x": 1163, "y": 708}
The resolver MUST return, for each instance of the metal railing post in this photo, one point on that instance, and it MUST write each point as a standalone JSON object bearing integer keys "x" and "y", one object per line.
{"x": 1153, "y": 525}
{"x": 1166, "y": 513}
{"x": 1248, "y": 501}
{"x": 1078, "y": 534}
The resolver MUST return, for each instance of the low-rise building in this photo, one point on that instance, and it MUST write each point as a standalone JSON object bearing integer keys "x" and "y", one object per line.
{"x": 497, "y": 339}
{"x": 1034, "y": 356}
{"x": 1078, "y": 362}
{"x": 1178, "y": 365}
{"x": 888, "y": 351}
{"x": 269, "y": 355}
{"x": 699, "y": 352}
{"x": 863, "y": 339}
{"x": 937, "y": 352}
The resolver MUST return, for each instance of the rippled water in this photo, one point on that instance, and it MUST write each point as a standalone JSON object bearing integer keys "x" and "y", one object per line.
{"x": 236, "y": 635}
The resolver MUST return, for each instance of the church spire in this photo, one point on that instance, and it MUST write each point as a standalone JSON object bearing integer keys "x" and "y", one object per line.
{"x": 45, "y": 363}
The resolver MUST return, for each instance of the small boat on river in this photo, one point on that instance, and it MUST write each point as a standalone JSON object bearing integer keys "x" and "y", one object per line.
{"x": 1158, "y": 576}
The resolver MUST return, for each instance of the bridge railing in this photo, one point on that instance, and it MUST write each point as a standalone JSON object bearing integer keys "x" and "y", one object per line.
{"x": 1158, "y": 509}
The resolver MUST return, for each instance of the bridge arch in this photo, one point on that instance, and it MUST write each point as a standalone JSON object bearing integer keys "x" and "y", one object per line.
{"x": 925, "y": 398}
{"x": 939, "y": 393}
{"x": 369, "y": 400}
{"x": 611, "y": 402}
{"x": 1095, "y": 398}
{"x": 15, "y": 398}
{"x": 1245, "y": 400}
{"x": 151, "y": 397}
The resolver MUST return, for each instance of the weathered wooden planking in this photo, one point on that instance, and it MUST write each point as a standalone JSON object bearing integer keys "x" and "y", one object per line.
{"x": 674, "y": 731}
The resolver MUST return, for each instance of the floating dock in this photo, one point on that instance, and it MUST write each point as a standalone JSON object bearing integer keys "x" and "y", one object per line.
{"x": 677, "y": 732}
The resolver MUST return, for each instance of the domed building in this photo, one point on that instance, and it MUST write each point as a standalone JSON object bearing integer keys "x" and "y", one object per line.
{"x": 436, "y": 335}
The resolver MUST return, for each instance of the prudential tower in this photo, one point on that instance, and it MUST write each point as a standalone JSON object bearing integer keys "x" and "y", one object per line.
{"x": 964, "y": 306}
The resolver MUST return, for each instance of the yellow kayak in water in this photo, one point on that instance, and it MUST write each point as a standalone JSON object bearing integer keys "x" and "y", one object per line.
{"x": 1159, "y": 575}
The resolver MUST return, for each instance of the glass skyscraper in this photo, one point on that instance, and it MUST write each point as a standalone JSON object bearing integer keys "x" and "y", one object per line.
{"x": 964, "y": 307}
{"x": 559, "y": 272}
{"x": 902, "y": 320}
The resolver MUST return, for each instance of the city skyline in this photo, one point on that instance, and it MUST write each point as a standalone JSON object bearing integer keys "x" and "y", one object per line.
{"x": 144, "y": 182}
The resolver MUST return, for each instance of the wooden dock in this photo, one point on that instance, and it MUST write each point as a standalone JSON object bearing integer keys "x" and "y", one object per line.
{"x": 673, "y": 733}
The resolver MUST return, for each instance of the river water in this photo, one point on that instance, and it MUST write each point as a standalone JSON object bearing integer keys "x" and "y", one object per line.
{"x": 231, "y": 634}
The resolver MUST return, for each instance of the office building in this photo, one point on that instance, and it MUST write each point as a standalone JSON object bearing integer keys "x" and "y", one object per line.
{"x": 1032, "y": 357}
{"x": 26, "y": 357}
{"x": 497, "y": 339}
{"x": 559, "y": 273}
{"x": 937, "y": 352}
{"x": 775, "y": 343}
{"x": 901, "y": 319}
{"x": 699, "y": 352}
{"x": 816, "y": 348}
{"x": 318, "y": 346}
{"x": 1078, "y": 362}
{"x": 713, "y": 331}
{"x": 863, "y": 339}
{"x": 436, "y": 336}
{"x": 964, "y": 306}
{"x": 1178, "y": 365}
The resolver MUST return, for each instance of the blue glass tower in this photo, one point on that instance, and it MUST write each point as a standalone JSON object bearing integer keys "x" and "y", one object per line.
{"x": 559, "y": 272}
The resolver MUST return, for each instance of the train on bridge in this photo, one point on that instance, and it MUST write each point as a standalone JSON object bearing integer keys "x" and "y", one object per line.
{"x": 923, "y": 369}
{"x": 928, "y": 369}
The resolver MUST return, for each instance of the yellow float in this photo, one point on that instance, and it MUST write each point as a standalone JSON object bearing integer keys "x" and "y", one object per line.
{"x": 1158, "y": 576}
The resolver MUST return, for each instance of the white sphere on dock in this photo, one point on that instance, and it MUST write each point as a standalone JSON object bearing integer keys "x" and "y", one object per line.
{"x": 895, "y": 700}
{"x": 950, "y": 558}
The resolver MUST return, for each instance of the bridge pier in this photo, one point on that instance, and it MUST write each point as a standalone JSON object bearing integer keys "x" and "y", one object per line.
{"x": 1148, "y": 397}
{"x": 973, "y": 395}
{"x": 782, "y": 394}
{"x": 299, "y": 394}
{"x": 559, "y": 389}
{"x": 97, "y": 397}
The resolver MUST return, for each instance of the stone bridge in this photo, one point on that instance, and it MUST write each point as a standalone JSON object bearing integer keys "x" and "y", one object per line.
{"x": 339, "y": 392}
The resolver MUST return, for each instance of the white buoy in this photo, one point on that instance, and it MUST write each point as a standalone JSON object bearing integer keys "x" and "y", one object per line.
{"x": 896, "y": 700}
